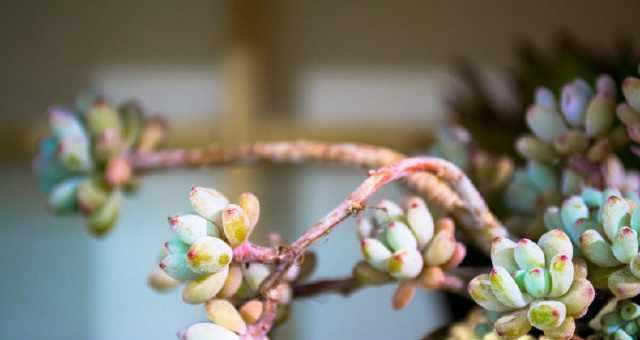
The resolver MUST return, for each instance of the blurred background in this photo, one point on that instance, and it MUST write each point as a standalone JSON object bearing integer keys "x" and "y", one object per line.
{"x": 382, "y": 72}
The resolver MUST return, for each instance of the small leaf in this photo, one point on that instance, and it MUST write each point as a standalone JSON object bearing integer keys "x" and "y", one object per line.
{"x": 505, "y": 288}
{"x": 255, "y": 273}
{"x": 223, "y": 313}
{"x": 441, "y": 248}
{"x": 578, "y": 298}
{"x": 546, "y": 315}
{"x": 405, "y": 264}
{"x": 502, "y": 254}
{"x": 205, "y": 287}
{"x": 375, "y": 253}
{"x": 623, "y": 284}
{"x": 235, "y": 224}
{"x": 208, "y": 331}
{"x": 528, "y": 254}
{"x": 251, "y": 206}
{"x": 399, "y": 236}
{"x": 420, "y": 221}
{"x": 209, "y": 255}
{"x": 189, "y": 227}
{"x": 561, "y": 272}
{"x": 175, "y": 265}
{"x": 597, "y": 250}
{"x": 208, "y": 203}
{"x": 513, "y": 325}
{"x": 555, "y": 242}
{"x": 479, "y": 289}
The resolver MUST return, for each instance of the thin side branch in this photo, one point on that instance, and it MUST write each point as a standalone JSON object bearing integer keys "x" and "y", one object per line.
{"x": 349, "y": 285}
{"x": 344, "y": 286}
{"x": 446, "y": 188}
{"x": 353, "y": 204}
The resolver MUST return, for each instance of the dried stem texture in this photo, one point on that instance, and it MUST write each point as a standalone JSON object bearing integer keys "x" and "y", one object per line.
{"x": 445, "y": 187}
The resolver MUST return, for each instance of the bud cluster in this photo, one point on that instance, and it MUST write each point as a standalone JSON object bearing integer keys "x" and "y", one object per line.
{"x": 536, "y": 284}
{"x": 406, "y": 245}
{"x": 584, "y": 122}
{"x": 607, "y": 224}
{"x": 82, "y": 164}
{"x": 201, "y": 255}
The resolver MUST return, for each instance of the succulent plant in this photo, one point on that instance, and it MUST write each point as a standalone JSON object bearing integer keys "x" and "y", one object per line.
{"x": 607, "y": 223}
{"x": 619, "y": 319}
{"x": 201, "y": 255}
{"x": 629, "y": 111}
{"x": 582, "y": 128}
{"x": 536, "y": 285}
{"x": 407, "y": 246}
{"x": 484, "y": 108}
{"x": 82, "y": 165}
{"x": 570, "y": 146}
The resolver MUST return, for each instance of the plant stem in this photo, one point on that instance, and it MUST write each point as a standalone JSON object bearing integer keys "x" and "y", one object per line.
{"x": 446, "y": 188}
{"x": 353, "y": 204}
{"x": 349, "y": 285}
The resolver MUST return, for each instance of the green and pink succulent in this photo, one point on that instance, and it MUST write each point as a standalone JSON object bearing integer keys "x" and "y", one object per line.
{"x": 536, "y": 285}
{"x": 607, "y": 223}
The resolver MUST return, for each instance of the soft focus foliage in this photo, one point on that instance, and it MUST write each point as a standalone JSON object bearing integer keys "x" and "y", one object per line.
{"x": 82, "y": 165}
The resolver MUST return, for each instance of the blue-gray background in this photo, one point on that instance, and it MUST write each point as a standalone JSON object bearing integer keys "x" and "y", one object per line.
{"x": 59, "y": 283}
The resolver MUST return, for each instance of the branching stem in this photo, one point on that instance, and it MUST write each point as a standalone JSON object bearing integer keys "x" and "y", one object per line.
{"x": 440, "y": 181}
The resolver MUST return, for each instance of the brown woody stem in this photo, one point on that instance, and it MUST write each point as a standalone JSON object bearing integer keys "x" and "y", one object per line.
{"x": 454, "y": 194}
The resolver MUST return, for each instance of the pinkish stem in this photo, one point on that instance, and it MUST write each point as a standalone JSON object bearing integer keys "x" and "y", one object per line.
{"x": 353, "y": 204}
{"x": 250, "y": 252}
{"x": 453, "y": 194}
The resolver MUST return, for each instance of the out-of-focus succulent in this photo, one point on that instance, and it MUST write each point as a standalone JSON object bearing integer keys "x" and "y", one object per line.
{"x": 607, "y": 224}
{"x": 201, "y": 255}
{"x": 406, "y": 245}
{"x": 616, "y": 176}
{"x": 629, "y": 111}
{"x": 531, "y": 190}
{"x": 83, "y": 165}
{"x": 484, "y": 104}
{"x": 490, "y": 173}
{"x": 618, "y": 320}
{"x": 581, "y": 128}
{"x": 536, "y": 285}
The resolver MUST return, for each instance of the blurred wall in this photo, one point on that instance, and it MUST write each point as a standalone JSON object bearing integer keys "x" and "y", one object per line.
{"x": 329, "y": 60}
{"x": 331, "y": 63}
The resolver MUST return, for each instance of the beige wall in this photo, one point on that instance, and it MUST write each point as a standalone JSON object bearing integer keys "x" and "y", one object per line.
{"x": 328, "y": 57}
{"x": 330, "y": 62}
